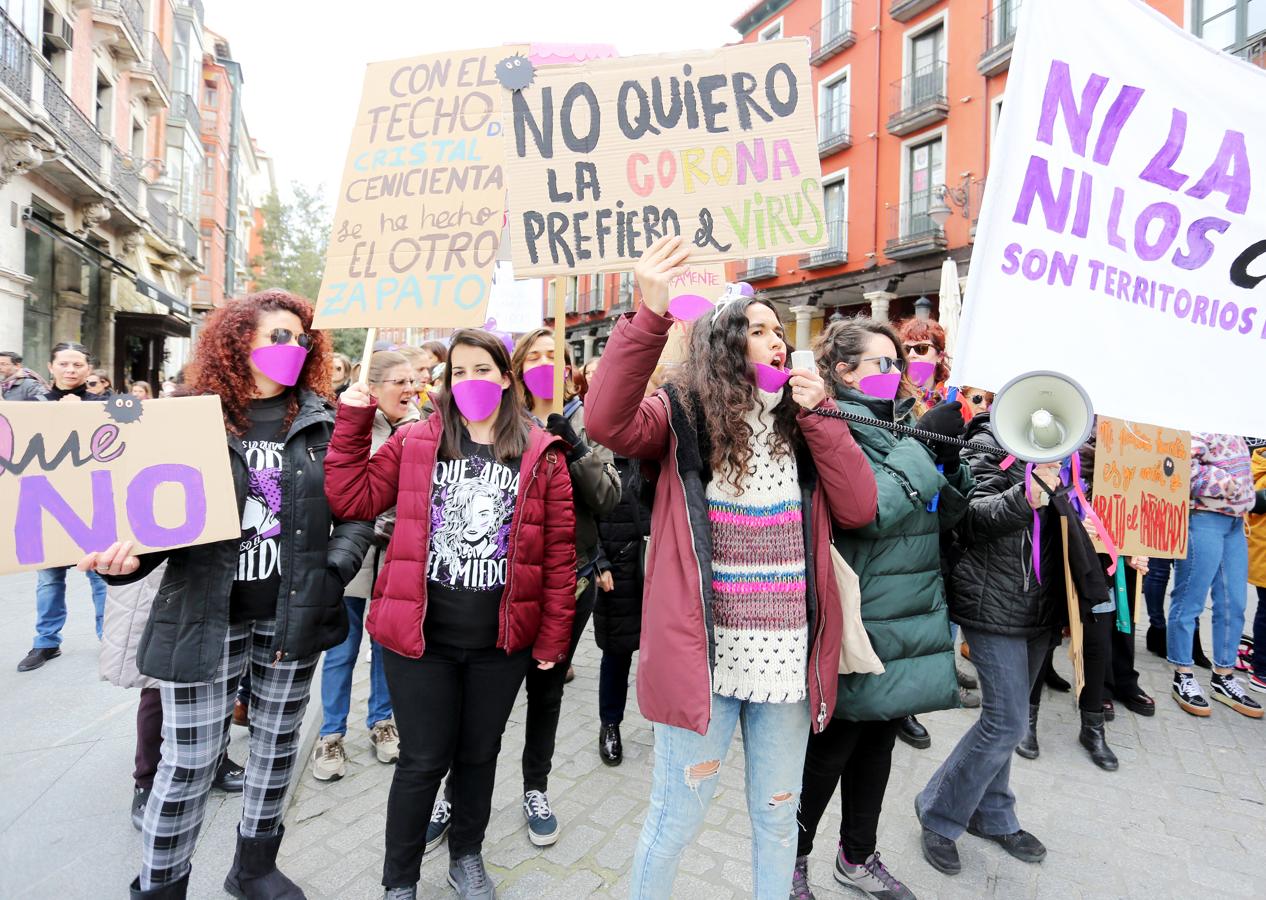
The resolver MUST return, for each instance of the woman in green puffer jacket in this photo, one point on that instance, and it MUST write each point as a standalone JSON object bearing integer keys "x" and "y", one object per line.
{"x": 897, "y": 559}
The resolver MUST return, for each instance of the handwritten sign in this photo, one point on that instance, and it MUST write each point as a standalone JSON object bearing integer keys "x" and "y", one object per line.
{"x": 1142, "y": 485}
{"x": 517, "y": 306}
{"x": 422, "y": 201}
{"x": 76, "y": 477}
{"x": 721, "y": 146}
{"x": 706, "y": 281}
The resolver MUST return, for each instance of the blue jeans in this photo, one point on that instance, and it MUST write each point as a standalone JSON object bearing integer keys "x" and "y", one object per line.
{"x": 1217, "y": 560}
{"x": 50, "y": 604}
{"x": 775, "y": 736}
{"x": 336, "y": 676}
{"x": 973, "y": 785}
{"x": 1155, "y": 583}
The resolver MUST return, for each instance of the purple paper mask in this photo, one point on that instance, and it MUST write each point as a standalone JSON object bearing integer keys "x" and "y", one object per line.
{"x": 280, "y": 362}
{"x": 540, "y": 381}
{"x": 921, "y": 373}
{"x": 769, "y": 379}
{"x": 883, "y": 387}
{"x": 689, "y": 307}
{"x": 477, "y": 399}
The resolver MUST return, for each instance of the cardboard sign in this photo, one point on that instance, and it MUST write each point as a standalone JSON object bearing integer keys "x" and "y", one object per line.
{"x": 1124, "y": 212}
{"x": 1142, "y": 487}
{"x": 721, "y": 146}
{"x": 707, "y": 281}
{"x": 422, "y": 201}
{"x": 76, "y": 477}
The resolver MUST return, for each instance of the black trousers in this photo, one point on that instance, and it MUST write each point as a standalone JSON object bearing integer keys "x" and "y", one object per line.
{"x": 545, "y": 702}
{"x": 149, "y": 737}
{"x": 1096, "y": 654}
{"x": 1122, "y": 679}
{"x": 451, "y": 709}
{"x": 613, "y": 686}
{"x": 858, "y": 757}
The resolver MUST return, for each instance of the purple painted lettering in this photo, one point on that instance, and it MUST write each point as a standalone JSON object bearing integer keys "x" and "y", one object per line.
{"x": 100, "y": 445}
{"x": 1229, "y": 174}
{"x": 36, "y": 495}
{"x": 140, "y": 505}
{"x": 1118, "y": 114}
{"x": 1059, "y": 98}
{"x": 1037, "y": 186}
{"x": 1160, "y": 169}
{"x": 1171, "y": 220}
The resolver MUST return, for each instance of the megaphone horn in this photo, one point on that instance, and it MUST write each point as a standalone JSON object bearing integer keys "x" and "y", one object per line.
{"x": 1041, "y": 417}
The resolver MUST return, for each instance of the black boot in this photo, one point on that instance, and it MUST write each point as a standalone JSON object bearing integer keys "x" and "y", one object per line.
{"x": 1095, "y": 741}
{"x": 914, "y": 733}
{"x": 175, "y": 890}
{"x": 1197, "y": 652}
{"x": 255, "y": 876}
{"x": 1156, "y": 641}
{"x": 1028, "y": 747}
{"x": 610, "y": 747}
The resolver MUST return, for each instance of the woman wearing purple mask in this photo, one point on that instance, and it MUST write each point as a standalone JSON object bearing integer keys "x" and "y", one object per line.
{"x": 926, "y": 363}
{"x": 267, "y": 602}
{"x": 897, "y": 559}
{"x": 478, "y": 585}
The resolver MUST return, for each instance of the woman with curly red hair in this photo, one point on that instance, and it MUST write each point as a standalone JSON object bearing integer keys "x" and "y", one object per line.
{"x": 271, "y": 599}
{"x": 926, "y": 370}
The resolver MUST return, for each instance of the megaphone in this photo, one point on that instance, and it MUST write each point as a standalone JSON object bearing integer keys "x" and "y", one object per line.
{"x": 1041, "y": 417}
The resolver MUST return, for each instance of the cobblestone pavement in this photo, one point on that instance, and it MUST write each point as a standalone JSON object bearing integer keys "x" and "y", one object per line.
{"x": 1184, "y": 817}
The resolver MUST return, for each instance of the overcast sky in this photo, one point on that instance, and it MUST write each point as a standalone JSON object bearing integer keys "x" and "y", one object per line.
{"x": 303, "y": 60}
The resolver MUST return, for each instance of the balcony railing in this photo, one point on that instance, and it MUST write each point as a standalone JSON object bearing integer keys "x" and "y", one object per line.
{"x": 125, "y": 179}
{"x": 833, "y": 132}
{"x": 833, "y": 34}
{"x": 130, "y": 12}
{"x": 83, "y": 141}
{"x": 761, "y": 267}
{"x": 919, "y": 99}
{"x": 836, "y": 252}
{"x": 1253, "y": 50}
{"x": 158, "y": 59}
{"x": 913, "y": 233}
{"x": 189, "y": 239}
{"x": 15, "y": 60}
{"x": 184, "y": 109}
{"x": 159, "y": 214}
{"x": 999, "y": 36}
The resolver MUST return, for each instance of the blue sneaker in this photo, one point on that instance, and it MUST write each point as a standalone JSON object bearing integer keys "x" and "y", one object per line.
{"x": 437, "y": 828}
{"x": 541, "y": 821}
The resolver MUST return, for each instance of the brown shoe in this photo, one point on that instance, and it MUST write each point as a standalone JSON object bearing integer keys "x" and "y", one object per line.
{"x": 241, "y": 715}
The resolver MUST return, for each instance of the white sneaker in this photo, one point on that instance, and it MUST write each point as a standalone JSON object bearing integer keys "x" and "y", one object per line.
{"x": 386, "y": 741}
{"x": 329, "y": 759}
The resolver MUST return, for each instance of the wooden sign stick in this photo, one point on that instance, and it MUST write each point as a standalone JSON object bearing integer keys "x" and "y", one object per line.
{"x": 560, "y": 342}
{"x": 371, "y": 335}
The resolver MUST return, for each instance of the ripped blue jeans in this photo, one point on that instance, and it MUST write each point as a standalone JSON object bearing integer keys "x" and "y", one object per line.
{"x": 687, "y": 767}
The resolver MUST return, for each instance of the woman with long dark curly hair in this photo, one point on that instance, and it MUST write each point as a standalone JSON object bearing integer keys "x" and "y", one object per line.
{"x": 741, "y": 620}
{"x": 271, "y": 599}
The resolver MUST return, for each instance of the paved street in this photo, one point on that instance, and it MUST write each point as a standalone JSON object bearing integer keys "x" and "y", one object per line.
{"x": 1184, "y": 816}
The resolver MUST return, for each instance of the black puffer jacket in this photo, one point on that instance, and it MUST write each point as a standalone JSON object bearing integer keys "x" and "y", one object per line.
{"x": 617, "y": 615}
{"x": 992, "y": 586}
{"x": 184, "y": 638}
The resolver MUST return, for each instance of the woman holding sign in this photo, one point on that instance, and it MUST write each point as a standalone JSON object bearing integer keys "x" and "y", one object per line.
{"x": 742, "y": 617}
{"x": 271, "y": 600}
{"x": 479, "y": 584}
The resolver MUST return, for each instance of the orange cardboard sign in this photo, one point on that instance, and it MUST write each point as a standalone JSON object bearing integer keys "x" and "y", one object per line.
{"x": 1142, "y": 487}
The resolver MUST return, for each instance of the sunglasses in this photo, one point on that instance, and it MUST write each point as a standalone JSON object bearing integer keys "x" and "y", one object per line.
{"x": 920, "y": 349}
{"x": 285, "y": 336}
{"x": 887, "y": 364}
{"x": 92, "y": 383}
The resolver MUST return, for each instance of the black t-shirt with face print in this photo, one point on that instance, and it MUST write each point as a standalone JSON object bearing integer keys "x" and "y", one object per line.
{"x": 258, "y": 579}
{"x": 472, "y": 508}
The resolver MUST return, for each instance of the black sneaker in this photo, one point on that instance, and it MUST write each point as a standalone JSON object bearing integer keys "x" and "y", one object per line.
{"x": 1187, "y": 692}
{"x": 37, "y": 657}
{"x": 1227, "y": 689}
{"x": 140, "y": 799}
{"x": 437, "y": 829}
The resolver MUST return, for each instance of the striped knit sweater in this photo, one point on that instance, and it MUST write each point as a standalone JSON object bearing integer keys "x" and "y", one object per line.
{"x": 1221, "y": 474}
{"x": 758, "y": 573}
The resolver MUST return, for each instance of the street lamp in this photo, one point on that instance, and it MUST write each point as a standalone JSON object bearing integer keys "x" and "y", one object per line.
{"x": 941, "y": 212}
{"x": 923, "y": 309}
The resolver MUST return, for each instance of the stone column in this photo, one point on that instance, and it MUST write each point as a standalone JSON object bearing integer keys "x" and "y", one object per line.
{"x": 803, "y": 335}
{"x": 879, "y": 301}
{"x": 588, "y": 355}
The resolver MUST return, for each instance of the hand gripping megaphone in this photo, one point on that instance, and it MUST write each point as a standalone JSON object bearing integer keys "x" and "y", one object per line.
{"x": 1041, "y": 417}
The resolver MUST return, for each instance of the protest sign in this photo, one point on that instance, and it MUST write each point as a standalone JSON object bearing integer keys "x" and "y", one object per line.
{"x": 516, "y": 306}
{"x": 706, "y": 281}
{"x": 422, "y": 201}
{"x": 76, "y": 477}
{"x": 1142, "y": 487}
{"x": 1119, "y": 242}
{"x": 721, "y": 146}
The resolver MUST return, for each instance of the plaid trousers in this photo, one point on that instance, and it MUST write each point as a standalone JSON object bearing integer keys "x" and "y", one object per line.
{"x": 196, "y": 720}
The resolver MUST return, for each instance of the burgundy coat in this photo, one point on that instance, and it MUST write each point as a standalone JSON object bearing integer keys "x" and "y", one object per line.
{"x": 674, "y": 675}
{"x": 539, "y": 601}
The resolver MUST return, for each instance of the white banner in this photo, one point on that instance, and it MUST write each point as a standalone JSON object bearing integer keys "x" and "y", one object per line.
{"x": 1120, "y": 241}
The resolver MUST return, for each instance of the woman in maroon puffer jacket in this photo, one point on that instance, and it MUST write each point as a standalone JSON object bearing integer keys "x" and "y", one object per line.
{"x": 479, "y": 580}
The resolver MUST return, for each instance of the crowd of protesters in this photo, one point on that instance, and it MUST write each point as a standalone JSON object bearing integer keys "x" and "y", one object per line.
{"x": 779, "y": 572}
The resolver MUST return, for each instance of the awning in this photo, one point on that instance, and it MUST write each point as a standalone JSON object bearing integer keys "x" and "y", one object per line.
{"x": 135, "y": 308}
{"x": 154, "y": 292}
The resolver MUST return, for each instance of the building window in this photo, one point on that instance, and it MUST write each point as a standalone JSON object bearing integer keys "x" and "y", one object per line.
{"x": 598, "y": 289}
{"x": 104, "y": 102}
{"x": 835, "y": 205}
{"x": 1228, "y": 23}
{"x": 772, "y": 31}
{"x": 208, "y": 173}
{"x": 927, "y": 66}
{"x": 211, "y": 97}
{"x": 925, "y": 173}
{"x": 835, "y": 106}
